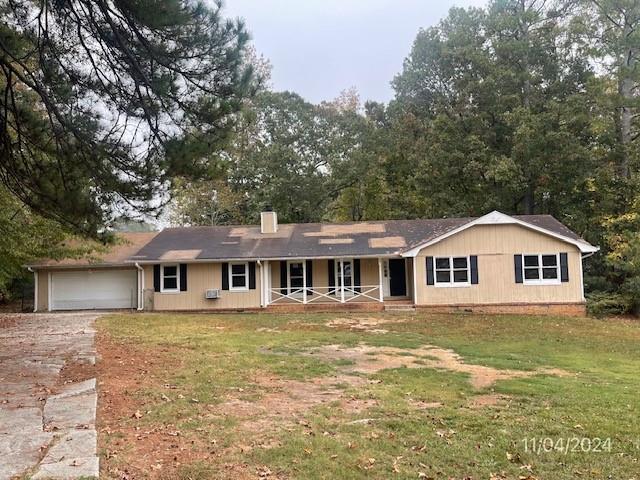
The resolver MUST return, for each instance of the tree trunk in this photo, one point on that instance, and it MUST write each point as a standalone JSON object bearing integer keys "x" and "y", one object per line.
{"x": 529, "y": 201}
{"x": 625, "y": 90}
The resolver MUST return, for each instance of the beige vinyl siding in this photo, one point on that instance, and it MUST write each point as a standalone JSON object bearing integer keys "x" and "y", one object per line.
{"x": 409, "y": 268}
{"x": 200, "y": 277}
{"x": 495, "y": 246}
{"x": 43, "y": 290}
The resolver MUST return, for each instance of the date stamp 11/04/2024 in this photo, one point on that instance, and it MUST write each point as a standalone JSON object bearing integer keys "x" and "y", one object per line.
{"x": 566, "y": 445}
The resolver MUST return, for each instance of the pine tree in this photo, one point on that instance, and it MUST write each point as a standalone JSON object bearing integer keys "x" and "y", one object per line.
{"x": 102, "y": 102}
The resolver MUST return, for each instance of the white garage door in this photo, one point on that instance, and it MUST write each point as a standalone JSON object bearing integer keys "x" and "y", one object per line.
{"x": 93, "y": 289}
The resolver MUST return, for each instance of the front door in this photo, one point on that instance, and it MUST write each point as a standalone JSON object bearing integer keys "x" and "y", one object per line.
{"x": 386, "y": 284}
{"x": 397, "y": 277}
{"x": 345, "y": 276}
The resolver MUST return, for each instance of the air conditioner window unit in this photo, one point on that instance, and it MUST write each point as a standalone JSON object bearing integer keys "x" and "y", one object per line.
{"x": 212, "y": 293}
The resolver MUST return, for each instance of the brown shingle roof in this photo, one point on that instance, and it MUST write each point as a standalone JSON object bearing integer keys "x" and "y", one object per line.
{"x": 304, "y": 240}
{"x": 127, "y": 245}
{"x": 301, "y": 240}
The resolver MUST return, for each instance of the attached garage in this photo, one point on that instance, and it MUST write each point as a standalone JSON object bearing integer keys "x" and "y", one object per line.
{"x": 94, "y": 289}
{"x": 104, "y": 279}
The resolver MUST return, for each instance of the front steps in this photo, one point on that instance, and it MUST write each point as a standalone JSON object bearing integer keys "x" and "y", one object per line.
{"x": 399, "y": 307}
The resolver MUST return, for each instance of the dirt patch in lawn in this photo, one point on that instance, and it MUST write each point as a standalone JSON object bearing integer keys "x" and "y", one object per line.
{"x": 131, "y": 447}
{"x": 488, "y": 400}
{"x": 367, "y": 359}
{"x": 358, "y": 324}
{"x": 285, "y": 403}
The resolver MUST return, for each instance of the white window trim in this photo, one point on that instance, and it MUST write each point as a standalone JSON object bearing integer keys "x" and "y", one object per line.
{"x": 451, "y": 283}
{"x": 170, "y": 290}
{"x": 246, "y": 277}
{"x": 540, "y": 280}
{"x": 300, "y": 291}
{"x": 352, "y": 287}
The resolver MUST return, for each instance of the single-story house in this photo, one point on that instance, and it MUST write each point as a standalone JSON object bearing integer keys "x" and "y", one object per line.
{"x": 493, "y": 263}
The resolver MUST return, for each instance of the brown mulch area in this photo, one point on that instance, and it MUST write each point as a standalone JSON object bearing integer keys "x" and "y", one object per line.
{"x": 130, "y": 446}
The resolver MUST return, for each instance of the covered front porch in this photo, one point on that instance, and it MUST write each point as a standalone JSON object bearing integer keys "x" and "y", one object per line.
{"x": 323, "y": 281}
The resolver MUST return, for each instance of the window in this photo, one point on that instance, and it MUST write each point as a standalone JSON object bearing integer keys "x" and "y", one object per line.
{"x": 239, "y": 276}
{"x": 541, "y": 268}
{"x": 452, "y": 271}
{"x": 296, "y": 278}
{"x": 346, "y": 274}
{"x": 170, "y": 279}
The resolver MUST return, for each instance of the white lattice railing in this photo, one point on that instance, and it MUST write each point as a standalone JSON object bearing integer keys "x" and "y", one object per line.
{"x": 330, "y": 294}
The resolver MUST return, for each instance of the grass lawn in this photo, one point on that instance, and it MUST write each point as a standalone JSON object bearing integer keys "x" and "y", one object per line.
{"x": 368, "y": 396}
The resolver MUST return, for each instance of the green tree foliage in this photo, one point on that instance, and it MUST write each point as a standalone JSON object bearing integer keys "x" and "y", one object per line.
{"x": 102, "y": 102}
{"x": 309, "y": 162}
{"x": 616, "y": 42}
{"x": 527, "y": 106}
{"x": 25, "y": 236}
{"x": 502, "y": 121}
{"x": 623, "y": 256}
{"x": 205, "y": 202}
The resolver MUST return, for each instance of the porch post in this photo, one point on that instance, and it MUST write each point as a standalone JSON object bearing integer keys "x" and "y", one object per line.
{"x": 380, "y": 286}
{"x": 266, "y": 285}
{"x": 415, "y": 280}
{"x": 304, "y": 282}
{"x": 261, "y": 267}
{"x": 341, "y": 281}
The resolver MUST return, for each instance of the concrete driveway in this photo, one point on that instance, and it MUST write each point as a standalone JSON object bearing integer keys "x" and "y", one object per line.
{"x": 47, "y": 422}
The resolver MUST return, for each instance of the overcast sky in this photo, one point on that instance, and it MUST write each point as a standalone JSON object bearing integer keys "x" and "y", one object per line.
{"x": 321, "y": 47}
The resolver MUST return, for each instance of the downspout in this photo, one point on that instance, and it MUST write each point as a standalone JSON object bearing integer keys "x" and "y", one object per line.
{"x": 141, "y": 289}
{"x": 261, "y": 283}
{"x": 35, "y": 289}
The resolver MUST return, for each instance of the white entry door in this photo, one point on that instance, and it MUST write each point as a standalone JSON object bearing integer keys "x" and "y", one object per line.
{"x": 93, "y": 289}
{"x": 345, "y": 275}
{"x": 386, "y": 285}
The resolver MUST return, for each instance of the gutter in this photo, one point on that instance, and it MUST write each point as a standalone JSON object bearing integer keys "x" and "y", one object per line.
{"x": 141, "y": 287}
{"x": 256, "y": 259}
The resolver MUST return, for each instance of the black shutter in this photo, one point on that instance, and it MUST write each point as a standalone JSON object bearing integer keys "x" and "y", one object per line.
{"x": 225, "y": 276}
{"x": 473, "y": 259}
{"x": 517, "y": 261}
{"x": 331, "y": 265}
{"x": 283, "y": 277}
{"x": 183, "y": 277}
{"x": 156, "y": 278}
{"x": 430, "y": 271}
{"x": 356, "y": 275}
{"x": 252, "y": 275}
{"x": 564, "y": 268}
{"x": 309, "y": 268}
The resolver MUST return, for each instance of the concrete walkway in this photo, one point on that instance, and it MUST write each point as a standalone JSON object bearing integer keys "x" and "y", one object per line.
{"x": 47, "y": 429}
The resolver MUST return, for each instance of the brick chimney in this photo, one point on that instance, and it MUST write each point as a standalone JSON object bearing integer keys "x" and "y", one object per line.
{"x": 268, "y": 221}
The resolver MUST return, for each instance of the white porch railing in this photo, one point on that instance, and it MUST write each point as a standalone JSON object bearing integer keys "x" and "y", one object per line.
{"x": 329, "y": 294}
